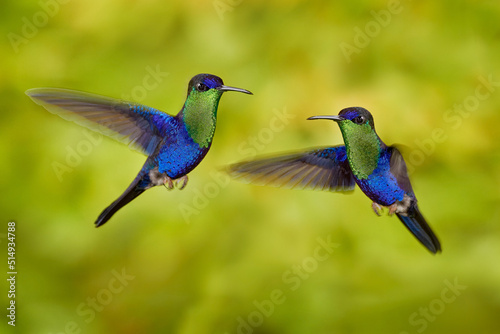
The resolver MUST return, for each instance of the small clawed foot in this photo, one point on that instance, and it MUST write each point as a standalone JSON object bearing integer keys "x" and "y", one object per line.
{"x": 393, "y": 209}
{"x": 376, "y": 208}
{"x": 181, "y": 182}
{"x": 168, "y": 183}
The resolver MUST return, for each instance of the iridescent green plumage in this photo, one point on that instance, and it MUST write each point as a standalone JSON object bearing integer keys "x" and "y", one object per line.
{"x": 363, "y": 147}
{"x": 200, "y": 115}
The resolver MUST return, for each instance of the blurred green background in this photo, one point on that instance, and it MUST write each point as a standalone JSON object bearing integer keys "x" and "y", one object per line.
{"x": 225, "y": 257}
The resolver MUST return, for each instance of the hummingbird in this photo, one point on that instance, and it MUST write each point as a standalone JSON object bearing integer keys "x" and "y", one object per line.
{"x": 379, "y": 170}
{"x": 175, "y": 145}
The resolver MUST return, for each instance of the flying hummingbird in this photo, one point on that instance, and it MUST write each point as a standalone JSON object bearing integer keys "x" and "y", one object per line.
{"x": 379, "y": 170}
{"x": 175, "y": 145}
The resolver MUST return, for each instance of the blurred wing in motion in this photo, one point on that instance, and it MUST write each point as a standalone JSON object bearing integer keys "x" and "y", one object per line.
{"x": 398, "y": 169}
{"x": 133, "y": 124}
{"x": 318, "y": 169}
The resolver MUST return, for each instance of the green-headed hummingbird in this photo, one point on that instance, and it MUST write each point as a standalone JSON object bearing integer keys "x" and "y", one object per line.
{"x": 175, "y": 145}
{"x": 379, "y": 170}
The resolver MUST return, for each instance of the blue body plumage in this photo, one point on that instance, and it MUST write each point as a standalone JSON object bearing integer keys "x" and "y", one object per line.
{"x": 381, "y": 185}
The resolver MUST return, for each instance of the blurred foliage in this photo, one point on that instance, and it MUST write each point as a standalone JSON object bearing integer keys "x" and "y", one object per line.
{"x": 211, "y": 273}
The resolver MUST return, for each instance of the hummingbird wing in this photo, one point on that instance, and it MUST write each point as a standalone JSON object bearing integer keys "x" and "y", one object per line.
{"x": 398, "y": 169}
{"x": 317, "y": 169}
{"x": 133, "y": 124}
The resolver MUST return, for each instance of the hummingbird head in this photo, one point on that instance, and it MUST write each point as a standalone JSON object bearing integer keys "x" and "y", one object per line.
{"x": 210, "y": 86}
{"x": 357, "y": 127}
{"x": 362, "y": 142}
{"x": 200, "y": 109}
{"x": 351, "y": 117}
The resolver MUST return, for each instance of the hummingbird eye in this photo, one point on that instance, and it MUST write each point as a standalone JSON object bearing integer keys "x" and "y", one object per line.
{"x": 359, "y": 120}
{"x": 201, "y": 87}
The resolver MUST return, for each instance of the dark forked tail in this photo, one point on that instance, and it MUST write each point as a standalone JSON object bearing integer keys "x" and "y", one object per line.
{"x": 417, "y": 225}
{"x": 132, "y": 192}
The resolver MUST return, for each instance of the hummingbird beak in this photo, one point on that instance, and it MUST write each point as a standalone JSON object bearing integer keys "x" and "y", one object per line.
{"x": 224, "y": 88}
{"x": 335, "y": 118}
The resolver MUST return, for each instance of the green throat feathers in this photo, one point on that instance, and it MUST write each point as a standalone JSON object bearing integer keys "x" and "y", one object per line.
{"x": 200, "y": 116}
{"x": 363, "y": 147}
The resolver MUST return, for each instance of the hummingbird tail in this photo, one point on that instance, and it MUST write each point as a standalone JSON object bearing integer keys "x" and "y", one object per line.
{"x": 417, "y": 225}
{"x": 128, "y": 195}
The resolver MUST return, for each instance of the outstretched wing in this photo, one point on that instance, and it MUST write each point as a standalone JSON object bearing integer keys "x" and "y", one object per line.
{"x": 398, "y": 169}
{"x": 318, "y": 169}
{"x": 133, "y": 124}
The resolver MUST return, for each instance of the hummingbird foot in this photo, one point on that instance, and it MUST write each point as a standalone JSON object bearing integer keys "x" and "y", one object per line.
{"x": 168, "y": 183}
{"x": 181, "y": 182}
{"x": 159, "y": 179}
{"x": 377, "y": 208}
{"x": 393, "y": 209}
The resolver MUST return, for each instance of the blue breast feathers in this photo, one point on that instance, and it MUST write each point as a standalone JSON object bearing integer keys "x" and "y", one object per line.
{"x": 180, "y": 154}
{"x": 381, "y": 186}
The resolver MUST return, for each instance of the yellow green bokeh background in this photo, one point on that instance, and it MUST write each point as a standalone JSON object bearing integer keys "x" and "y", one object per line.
{"x": 417, "y": 64}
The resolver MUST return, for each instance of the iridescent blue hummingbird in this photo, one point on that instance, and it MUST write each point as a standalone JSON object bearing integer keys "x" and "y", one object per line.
{"x": 175, "y": 145}
{"x": 379, "y": 170}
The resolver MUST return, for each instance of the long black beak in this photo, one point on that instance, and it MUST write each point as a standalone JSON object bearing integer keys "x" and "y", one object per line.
{"x": 335, "y": 118}
{"x": 224, "y": 88}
